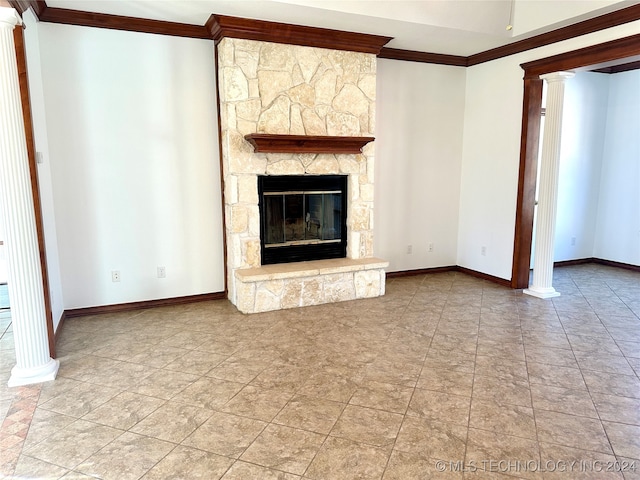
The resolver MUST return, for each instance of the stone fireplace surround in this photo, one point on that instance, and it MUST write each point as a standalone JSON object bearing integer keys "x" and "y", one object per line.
{"x": 279, "y": 89}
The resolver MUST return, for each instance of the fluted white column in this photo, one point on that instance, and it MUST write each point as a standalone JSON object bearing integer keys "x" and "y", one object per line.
{"x": 542, "y": 286}
{"x": 33, "y": 362}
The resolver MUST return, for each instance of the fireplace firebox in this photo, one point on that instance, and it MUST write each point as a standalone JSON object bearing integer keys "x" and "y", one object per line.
{"x": 302, "y": 217}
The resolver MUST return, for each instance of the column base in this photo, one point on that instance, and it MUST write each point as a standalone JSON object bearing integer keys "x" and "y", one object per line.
{"x": 541, "y": 292}
{"x": 29, "y": 376}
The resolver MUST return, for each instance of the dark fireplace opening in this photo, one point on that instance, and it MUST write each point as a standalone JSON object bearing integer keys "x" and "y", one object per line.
{"x": 302, "y": 217}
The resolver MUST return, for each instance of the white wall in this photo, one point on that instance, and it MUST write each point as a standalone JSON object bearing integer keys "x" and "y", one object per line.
{"x": 36, "y": 94}
{"x": 419, "y": 118}
{"x": 491, "y": 150}
{"x": 583, "y": 133}
{"x": 618, "y": 223}
{"x": 490, "y": 157}
{"x": 133, "y": 153}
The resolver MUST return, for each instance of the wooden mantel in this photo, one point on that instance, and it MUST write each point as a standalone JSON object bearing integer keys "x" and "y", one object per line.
{"x": 269, "y": 143}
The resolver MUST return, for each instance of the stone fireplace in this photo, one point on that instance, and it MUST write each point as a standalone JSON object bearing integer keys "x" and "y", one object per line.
{"x": 301, "y": 97}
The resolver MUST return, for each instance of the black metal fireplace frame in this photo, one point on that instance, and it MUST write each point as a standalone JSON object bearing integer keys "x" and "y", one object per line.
{"x": 301, "y": 253}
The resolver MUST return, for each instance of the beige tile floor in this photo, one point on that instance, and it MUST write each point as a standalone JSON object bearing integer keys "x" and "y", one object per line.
{"x": 444, "y": 373}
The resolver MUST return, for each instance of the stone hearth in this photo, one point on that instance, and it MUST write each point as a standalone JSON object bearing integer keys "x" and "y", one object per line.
{"x": 294, "y": 90}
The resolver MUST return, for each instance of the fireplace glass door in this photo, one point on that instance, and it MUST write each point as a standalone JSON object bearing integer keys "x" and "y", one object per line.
{"x": 302, "y": 218}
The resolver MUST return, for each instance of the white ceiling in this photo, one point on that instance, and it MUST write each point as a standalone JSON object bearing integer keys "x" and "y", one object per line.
{"x": 457, "y": 27}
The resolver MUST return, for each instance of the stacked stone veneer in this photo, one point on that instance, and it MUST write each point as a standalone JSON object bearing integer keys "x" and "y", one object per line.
{"x": 287, "y": 89}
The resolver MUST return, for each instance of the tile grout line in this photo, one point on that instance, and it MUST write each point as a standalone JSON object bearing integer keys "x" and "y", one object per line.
{"x": 465, "y": 461}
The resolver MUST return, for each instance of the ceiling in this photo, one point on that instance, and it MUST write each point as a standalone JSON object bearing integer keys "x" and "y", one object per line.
{"x": 455, "y": 27}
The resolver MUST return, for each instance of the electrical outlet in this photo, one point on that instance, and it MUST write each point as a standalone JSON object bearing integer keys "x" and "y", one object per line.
{"x": 483, "y": 251}
{"x": 573, "y": 241}
{"x": 431, "y": 247}
{"x": 162, "y": 272}
{"x": 409, "y": 249}
{"x": 115, "y": 275}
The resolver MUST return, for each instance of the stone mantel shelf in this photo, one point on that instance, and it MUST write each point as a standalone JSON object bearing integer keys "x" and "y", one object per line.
{"x": 270, "y": 143}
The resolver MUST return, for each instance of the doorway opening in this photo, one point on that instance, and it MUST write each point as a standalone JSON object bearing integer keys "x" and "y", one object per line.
{"x": 609, "y": 54}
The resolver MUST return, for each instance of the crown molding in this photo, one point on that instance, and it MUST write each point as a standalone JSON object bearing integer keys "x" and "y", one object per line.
{"x": 118, "y": 22}
{"x": 81, "y": 18}
{"x": 221, "y": 26}
{"x": 608, "y": 20}
{"x": 593, "y": 55}
{"x": 422, "y": 57}
{"x": 612, "y": 19}
{"x": 625, "y": 67}
{"x": 23, "y": 5}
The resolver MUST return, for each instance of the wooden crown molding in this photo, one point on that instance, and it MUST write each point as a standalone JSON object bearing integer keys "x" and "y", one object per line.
{"x": 608, "y": 20}
{"x": 268, "y": 143}
{"x": 592, "y": 55}
{"x": 81, "y": 18}
{"x": 117, "y": 22}
{"x": 625, "y": 67}
{"x": 422, "y": 57}
{"x": 613, "y": 19}
{"x": 220, "y": 26}
{"x": 23, "y": 5}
